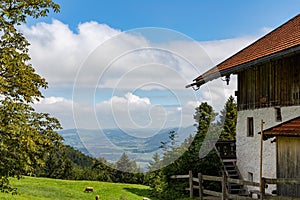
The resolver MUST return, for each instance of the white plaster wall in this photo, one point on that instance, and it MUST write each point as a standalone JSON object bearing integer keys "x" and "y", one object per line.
{"x": 248, "y": 148}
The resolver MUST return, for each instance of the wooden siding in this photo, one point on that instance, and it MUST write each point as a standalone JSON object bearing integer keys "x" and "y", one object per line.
{"x": 275, "y": 83}
{"x": 288, "y": 164}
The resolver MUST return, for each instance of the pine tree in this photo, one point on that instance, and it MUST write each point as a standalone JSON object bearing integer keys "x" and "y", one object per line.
{"x": 124, "y": 164}
{"x": 228, "y": 120}
{"x": 154, "y": 177}
{"x": 128, "y": 171}
{"x": 205, "y": 121}
{"x": 204, "y": 118}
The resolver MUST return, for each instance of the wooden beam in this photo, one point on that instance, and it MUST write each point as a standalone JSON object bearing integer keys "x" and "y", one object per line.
{"x": 180, "y": 176}
{"x": 242, "y": 182}
{"x": 200, "y": 186}
{"x": 191, "y": 184}
{"x": 212, "y": 178}
{"x": 213, "y": 193}
{"x": 261, "y": 156}
{"x": 224, "y": 189}
{"x": 283, "y": 181}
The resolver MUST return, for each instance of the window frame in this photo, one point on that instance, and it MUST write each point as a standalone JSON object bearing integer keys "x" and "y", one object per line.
{"x": 250, "y": 127}
{"x": 278, "y": 115}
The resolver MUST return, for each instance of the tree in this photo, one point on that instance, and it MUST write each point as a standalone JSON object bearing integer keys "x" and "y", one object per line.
{"x": 124, "y": 164}
{"x": 228, "y": 120}
{"x": 25, "y": 135}
{"x": 128, "y": 171}
{"x": 154, "y": 177}
{"x": 204, "y": 117}
{"x": 189, "y": 149}
{"x": 57, "y": 165}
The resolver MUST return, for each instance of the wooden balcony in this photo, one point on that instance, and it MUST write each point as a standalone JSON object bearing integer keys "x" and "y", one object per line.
{"x": 226, "y": 149}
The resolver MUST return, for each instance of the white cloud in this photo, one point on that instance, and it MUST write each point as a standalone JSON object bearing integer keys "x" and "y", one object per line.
{"x": 140, "y": 114}
{"x": 130, "y": 112}
{"x": 129, "y": 99}
{"x": 57, "y": 51}
{"x": 193, "y": 104}
{"x": 58, "y": 107}
{"x": 65, "y": 110}
{"x": 52, "y": 100}
{"x": 126, "y": 112}
{"x": 105, "y": 57}
{"x": 220, "y": 49}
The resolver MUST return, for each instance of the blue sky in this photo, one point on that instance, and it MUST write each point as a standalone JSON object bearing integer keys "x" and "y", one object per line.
{"x": 199, "y": 19}
{"x": 103, "y": 73}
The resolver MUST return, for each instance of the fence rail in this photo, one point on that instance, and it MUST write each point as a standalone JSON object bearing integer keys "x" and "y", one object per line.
{"x": 283, "y": 181}
{"x": 225, "y": 180}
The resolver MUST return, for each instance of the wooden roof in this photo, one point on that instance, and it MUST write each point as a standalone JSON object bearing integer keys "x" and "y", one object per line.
{"x": 288, "y": 128}
{"x": 282, "y": 38}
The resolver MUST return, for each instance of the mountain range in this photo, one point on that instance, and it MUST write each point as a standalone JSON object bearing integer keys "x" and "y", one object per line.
{"x": 110, "y": 144}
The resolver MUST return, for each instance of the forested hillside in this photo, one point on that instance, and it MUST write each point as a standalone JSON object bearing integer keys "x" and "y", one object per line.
{"x": 196, "y": 153}
{"x": 71, "y": 164}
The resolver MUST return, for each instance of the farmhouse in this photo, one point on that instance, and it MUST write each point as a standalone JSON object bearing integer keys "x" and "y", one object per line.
{"x": 268, "y": 89}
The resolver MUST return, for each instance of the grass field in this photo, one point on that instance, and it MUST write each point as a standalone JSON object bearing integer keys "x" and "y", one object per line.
{"x": 44, "y": 188}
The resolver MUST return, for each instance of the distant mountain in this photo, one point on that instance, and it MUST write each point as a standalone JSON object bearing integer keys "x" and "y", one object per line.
{"x": 111, "y": 143}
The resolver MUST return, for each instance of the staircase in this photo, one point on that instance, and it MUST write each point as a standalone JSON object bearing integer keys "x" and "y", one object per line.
{"x": 231, "y": 171}
{"x": 227, "y": 154}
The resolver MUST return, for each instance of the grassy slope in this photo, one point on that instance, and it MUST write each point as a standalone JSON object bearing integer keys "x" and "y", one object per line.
{"x": 46, "y": 189}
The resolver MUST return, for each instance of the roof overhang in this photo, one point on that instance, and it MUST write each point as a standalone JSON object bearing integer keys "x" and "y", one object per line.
{"x": 290, "y": 128}
{"x": 235, "y": 69}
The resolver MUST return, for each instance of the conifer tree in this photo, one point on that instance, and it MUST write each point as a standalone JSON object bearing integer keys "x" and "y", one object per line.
{"x": 154, "y": 177}
{"x": 204, "y": 118}
{"x": 128, "y": 171}
{"x": 228, "y": 120}
{"x": 124, "y": 164}
{"x": 210, "y": 165}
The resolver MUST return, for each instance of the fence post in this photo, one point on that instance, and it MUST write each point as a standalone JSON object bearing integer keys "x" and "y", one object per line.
{"x": 224, "y": 190}
{"x": 191, "y": 184}
{"x": 263, "y": 189}
{"x": 200, "y": 186}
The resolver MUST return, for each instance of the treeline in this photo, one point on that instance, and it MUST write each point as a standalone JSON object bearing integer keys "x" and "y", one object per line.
{"x": 30, "y": 145}
{"x": 65, "y": 162}
{"x": 179, "y": 159}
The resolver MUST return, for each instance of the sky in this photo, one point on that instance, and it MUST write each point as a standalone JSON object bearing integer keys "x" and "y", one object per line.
{"x": 125, "y": 64}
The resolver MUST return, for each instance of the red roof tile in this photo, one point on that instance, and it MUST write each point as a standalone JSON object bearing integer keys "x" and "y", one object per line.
{"x": 282, "y": 38}
{"x": 289, "y": 128}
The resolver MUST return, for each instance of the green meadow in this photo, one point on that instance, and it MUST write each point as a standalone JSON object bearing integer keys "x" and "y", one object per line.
{"x": 55, "y": 189}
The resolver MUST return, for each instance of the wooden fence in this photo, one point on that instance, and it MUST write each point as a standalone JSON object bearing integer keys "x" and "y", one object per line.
{"x": 225, "y": 181}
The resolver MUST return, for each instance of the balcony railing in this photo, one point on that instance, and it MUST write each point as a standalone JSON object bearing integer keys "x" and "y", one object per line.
{"x": 226, "y": 149}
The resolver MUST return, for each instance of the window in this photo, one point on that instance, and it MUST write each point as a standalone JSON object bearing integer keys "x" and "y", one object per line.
{"x": 278, "y": 117}
{"x": 296, "y": 95}
{"x": 250, "y": 176}
{"x": 250, "y": 127}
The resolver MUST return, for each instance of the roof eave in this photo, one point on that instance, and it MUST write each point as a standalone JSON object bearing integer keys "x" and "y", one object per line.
{"x": 277, "y": 131}
{"x": 235, "y": 69}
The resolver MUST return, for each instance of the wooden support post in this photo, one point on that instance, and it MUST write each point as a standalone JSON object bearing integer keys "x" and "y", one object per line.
{"x": 224, "y": 190}
{"x": 200, "y": 186}
{"x": 191, "y": 184}
{"x": 262, "y": 192}
{"x": 261, "y": 155}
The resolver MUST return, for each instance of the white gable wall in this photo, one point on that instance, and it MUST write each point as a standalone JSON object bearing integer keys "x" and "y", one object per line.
{"x": 248, "y": 148}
